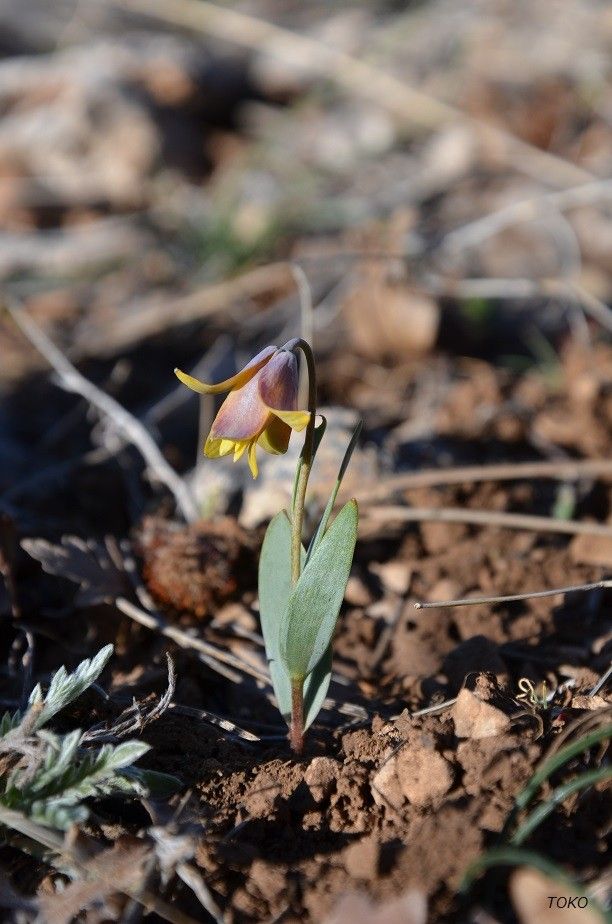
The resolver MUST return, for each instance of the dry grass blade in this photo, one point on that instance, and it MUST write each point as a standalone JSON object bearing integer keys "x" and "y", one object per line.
{"x": 484, "y": 518}
{"x": 135, "y": 717}
{"x": 212, "y": 655}
{"x": 477, "y": 231}
{"x": 559, "y": 470}
{"x": 601, "y": 682}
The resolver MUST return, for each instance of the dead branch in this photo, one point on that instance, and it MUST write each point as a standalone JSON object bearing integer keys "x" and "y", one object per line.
{"x": 210, "y": 654}
{"x": 513, "y": 598}
{"x": 125, "y": 423}
{"x": 558, "y": 470}
{"x": 484, "y": 518}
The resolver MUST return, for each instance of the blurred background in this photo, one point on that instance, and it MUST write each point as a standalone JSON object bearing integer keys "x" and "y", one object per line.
{"x": 435, "y": 177}
{"x": 424, "y": 191}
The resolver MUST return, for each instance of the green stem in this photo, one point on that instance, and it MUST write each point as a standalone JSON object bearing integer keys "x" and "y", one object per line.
{"x": 297, "y": 518}
{"x": 296, "y": 728}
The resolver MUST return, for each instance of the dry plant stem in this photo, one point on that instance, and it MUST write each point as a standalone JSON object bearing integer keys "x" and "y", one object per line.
{"x": 125, "y": 423}
{"x": 558, "y": 470}
{"x": 209, "y": 654}
{"x": 486, "y": 518}
{"x": 512, "y": 598}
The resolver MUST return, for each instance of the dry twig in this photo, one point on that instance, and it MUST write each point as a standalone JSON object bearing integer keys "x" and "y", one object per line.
{"x": 210, "y": 654}
{"x": 513, "y": 598}
{"x": 558, "y": 470}
{"x": 486, "y": 518}
{"x": 125, "y": 423}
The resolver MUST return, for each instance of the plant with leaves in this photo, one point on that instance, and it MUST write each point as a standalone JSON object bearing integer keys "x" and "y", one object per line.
{"x": 46, "y": 776}
{"x": 300, "y": 590}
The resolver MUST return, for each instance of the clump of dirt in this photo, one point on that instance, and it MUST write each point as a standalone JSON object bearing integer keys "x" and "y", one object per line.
{"x": 193, "y": 569}
{"x": 397, "y": 805}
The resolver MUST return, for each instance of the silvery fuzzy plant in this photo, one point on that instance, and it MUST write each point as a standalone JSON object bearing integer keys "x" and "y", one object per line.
{"x": 300, "y": 590}
{"x": 47, "y": 777}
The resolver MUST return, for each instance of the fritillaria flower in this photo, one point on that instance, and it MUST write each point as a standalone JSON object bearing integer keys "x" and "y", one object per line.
{"x": 260, "y": 409}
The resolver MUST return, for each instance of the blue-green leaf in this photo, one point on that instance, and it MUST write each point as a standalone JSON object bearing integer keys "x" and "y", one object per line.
{"x": 314, "y": 602}
{"x": 274, "y": 590}
{"x": 316, "y": 687}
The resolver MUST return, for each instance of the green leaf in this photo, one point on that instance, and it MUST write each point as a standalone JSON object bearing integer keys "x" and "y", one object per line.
{"x": 321, "y": 528}
{"x": 65, "y": 687}
{"x": 157, "y": 785}
{"x": 274, "y": 591}
{"x": 314, "y": 602}
{"x": 316, "y": 687}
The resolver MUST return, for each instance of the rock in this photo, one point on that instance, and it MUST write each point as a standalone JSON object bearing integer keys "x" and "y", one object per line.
{"x": 384, "y": 318}
{"x": 385, "y": 786}
{"x": 357, "y": 594}
{"x": 361, "y": 858}
{"x": 320, "y": 777}
{"x": 475, "y": 654}
{"x": 476, "y": 718}
{"x": 438, "y": 537}
{"x": 410, "y": 908}
{"x": 531, "y": 894}
{"x": 394, "y": 575}
{"x": 592, "y": 550}
{"x": 417, "y": 773}
{"x": 424, "y": 775}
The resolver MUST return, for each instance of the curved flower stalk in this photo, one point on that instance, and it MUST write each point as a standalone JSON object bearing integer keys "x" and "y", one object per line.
{"x": 300, "y": 593}
{"x": 260, "y": 410}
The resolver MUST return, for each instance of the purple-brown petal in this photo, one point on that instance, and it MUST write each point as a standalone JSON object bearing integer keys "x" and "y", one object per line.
{"x": 243, "y": 415}
{"x": 278, "y": 381}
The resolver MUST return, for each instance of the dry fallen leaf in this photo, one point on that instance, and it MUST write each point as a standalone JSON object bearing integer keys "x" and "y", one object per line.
{"x": 94, "y": 566}
{"x": 122, "y": 868}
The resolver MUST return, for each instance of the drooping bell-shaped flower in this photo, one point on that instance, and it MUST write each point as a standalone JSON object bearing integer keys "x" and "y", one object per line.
{"x": 260, "y": 409}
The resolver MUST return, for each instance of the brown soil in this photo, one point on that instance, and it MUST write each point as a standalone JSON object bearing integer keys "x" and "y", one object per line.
{"x": 397, "y": 801}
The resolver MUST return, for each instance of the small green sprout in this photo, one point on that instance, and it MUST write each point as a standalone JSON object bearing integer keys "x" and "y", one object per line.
{"x": 300, "y": 590}
{"x": 535, "y": 697}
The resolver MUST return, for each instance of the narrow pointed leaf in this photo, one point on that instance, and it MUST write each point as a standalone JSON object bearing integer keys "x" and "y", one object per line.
{"x": 314, "y": 602}
{"x": 316, "y": 687}
{"x": 320, "y": 530}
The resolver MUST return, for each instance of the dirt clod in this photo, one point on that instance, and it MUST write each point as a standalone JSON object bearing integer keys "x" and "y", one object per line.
{"x": 474, "y": 714}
